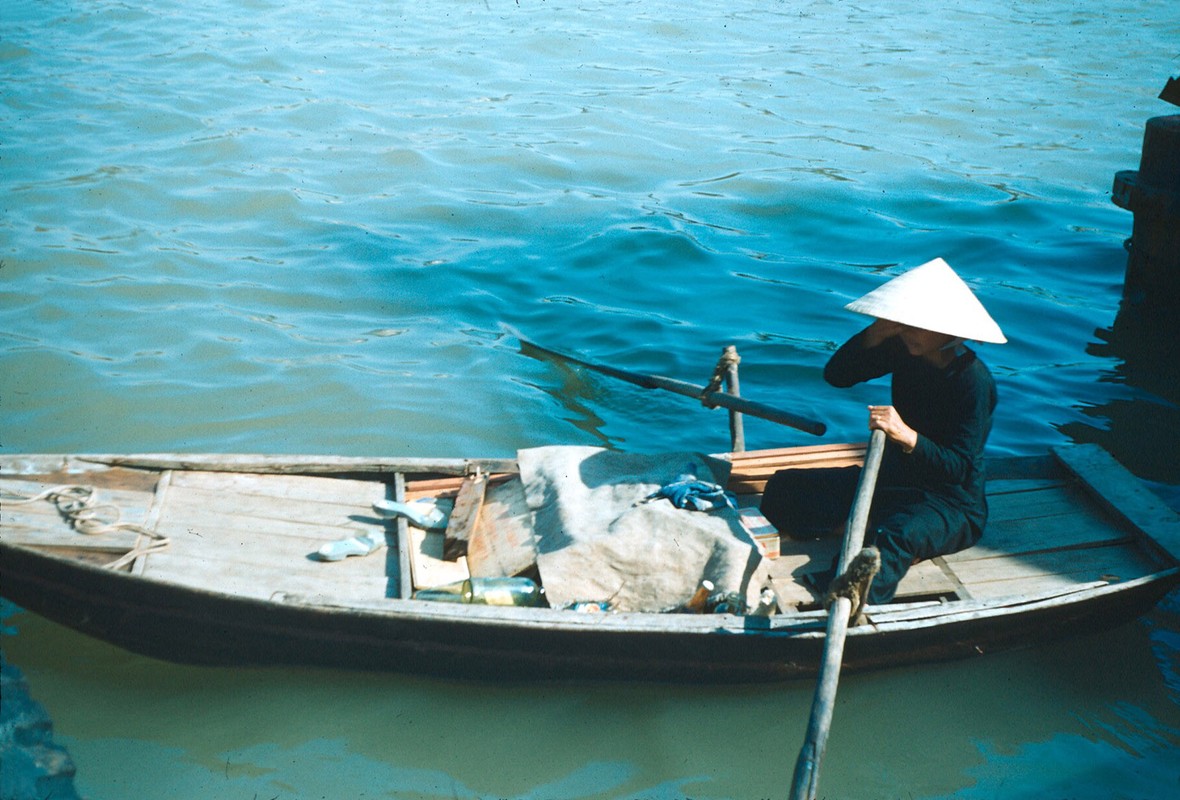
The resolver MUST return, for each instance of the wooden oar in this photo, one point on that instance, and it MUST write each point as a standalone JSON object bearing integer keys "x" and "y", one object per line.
{"x": 724, "y": 399}
{"x": 806, "y": 780}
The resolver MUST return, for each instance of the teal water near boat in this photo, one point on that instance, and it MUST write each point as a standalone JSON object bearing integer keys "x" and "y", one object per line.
{"x": 314, "y": 228}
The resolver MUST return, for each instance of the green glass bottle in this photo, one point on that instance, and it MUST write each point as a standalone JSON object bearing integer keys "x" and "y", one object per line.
{"x": 506, "y": 592}
{"x": 457, "y": 592}
{"x": 487, "y": 591}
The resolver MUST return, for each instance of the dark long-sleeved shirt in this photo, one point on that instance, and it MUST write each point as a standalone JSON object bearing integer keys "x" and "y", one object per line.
{"x": 950, "y": 408}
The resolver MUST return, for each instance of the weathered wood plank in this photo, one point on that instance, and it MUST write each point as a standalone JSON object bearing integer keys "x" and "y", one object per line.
{"x": 448, "y": 488}
{"x": 405, "y": 573}
{"x": 292, "y": 487}
{"x": 464, "y": 516}
{"x": 504, "y": 542}
{"x": 267, "y": 549}
{"x": 749, "y": 471}
{"x": 50, "y": 533}
{"x": 926, "y": 579}
{"x": 131, "y": 503}
{"x": 150, "y": 522}
{"x": 190, "y": 502}
{"x": 1083, "y": 528}
{"x": 60, "y": 469}
{"x": 185, "y": 517}
{"x": 996, "y": 576}
{"x": 1045, "y": 502}
{"x": 1124, "y": 494}
{"x": 1001, "y": 486}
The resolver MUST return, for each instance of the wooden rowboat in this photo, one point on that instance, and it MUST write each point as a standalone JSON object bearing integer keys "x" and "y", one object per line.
{"x": 1074, "y": 544}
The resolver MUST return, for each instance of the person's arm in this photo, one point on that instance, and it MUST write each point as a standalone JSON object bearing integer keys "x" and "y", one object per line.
{"x": 867, "y": 355}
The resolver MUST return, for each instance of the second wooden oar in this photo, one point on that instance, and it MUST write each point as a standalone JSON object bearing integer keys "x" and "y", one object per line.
{"x": 724, "y": 399}
{"x": 806, "y": 779}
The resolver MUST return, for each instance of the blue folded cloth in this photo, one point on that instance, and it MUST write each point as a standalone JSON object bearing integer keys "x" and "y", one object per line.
{"x": 696, "y": 495}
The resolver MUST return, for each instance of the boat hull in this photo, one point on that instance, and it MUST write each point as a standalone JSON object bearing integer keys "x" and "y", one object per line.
{"x": 171, "y": 622}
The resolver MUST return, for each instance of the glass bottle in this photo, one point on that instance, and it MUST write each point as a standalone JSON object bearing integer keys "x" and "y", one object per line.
{"x": 487, "y": 591}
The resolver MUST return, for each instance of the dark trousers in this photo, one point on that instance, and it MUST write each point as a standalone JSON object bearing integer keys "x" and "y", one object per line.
{"x": 905, "y": 524}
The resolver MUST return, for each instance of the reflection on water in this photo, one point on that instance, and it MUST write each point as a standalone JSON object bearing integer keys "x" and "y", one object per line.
{"x": 982, "y": 725}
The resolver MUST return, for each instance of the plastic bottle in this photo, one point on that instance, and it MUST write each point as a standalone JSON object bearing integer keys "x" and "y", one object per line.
{"x": 487, "y": 591}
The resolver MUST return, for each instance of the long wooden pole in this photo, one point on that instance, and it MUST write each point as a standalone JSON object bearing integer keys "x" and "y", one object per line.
{"x": 723, "y": 399}
{"x": 806, "y": 780}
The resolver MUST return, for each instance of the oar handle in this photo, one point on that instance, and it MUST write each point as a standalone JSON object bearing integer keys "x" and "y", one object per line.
{"x": 805, "y": 784}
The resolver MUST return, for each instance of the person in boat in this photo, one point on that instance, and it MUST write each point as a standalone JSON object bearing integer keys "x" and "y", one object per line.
{"x": 929, "y": 498}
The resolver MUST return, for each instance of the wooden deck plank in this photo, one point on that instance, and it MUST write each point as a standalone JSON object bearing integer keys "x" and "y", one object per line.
{"x": 133, "y": 504}
{"x": 1106, "y": 562}
{"x": 159, "y": 498}
{"x": 1125, "y": 495}
{"x": 44, "y": 532}
{"x": 41, "y": 523}
{"x": 229, "y": 531}
{"x": 749, "y": 471}
{"x": 1002, "y": 486}
{"x": 293, "y": 487}
{"x": 191, "y": 501}
{"x": 1044, "y": 502}
{"x": 1082, "y": 528}
{"x": 405, "y": 572}
{"x": 181, "y": 519}
{"x": 464, "y": 516}
{"x": 266, "y": 549}
{"x": 801, "y": 558}
{"x": 926, "y": 579}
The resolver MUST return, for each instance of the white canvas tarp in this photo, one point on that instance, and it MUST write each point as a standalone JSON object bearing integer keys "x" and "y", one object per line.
{"x": 597, "y": 540}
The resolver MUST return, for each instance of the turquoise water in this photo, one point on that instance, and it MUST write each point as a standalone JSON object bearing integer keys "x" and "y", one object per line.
{"x": 317, "y": 227}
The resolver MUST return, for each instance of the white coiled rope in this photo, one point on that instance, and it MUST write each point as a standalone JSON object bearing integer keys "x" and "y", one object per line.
{"x": 80, "y": 507}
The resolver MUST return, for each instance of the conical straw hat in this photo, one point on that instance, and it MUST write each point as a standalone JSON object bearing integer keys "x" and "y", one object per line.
{"x": 934, "y": 298}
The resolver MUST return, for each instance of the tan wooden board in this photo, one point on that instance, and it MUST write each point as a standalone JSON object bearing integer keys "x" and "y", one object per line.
{"x": 750, "y": 470}
{"x": 464, "y": 516}
{"x": 504, "y": 543}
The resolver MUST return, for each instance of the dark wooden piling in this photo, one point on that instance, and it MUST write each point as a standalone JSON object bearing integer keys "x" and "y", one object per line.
{"x": 1151, "y": 290}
